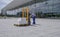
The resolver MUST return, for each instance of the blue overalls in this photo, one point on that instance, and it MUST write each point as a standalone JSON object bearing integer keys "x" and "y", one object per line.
{"x": 33, "y": 17}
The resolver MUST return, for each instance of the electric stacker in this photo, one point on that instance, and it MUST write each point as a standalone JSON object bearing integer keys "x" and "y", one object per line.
{"x": 25, "y": 20}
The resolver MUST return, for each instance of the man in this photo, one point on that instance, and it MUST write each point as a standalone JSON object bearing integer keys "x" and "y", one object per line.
{"x": 33, "y": 17}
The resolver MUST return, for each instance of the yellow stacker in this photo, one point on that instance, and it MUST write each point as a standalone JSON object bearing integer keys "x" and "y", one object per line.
{"x": 25, "y": 20}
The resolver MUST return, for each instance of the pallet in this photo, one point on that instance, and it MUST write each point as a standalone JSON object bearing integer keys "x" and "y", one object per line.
{"x": 21, "y": 25}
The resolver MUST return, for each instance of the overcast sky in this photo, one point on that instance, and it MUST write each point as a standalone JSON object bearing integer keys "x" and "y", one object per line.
{"x": 3, "y": 3}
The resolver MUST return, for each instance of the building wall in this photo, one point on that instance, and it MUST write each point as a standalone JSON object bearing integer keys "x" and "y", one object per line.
{"x": 45, "y": 7}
